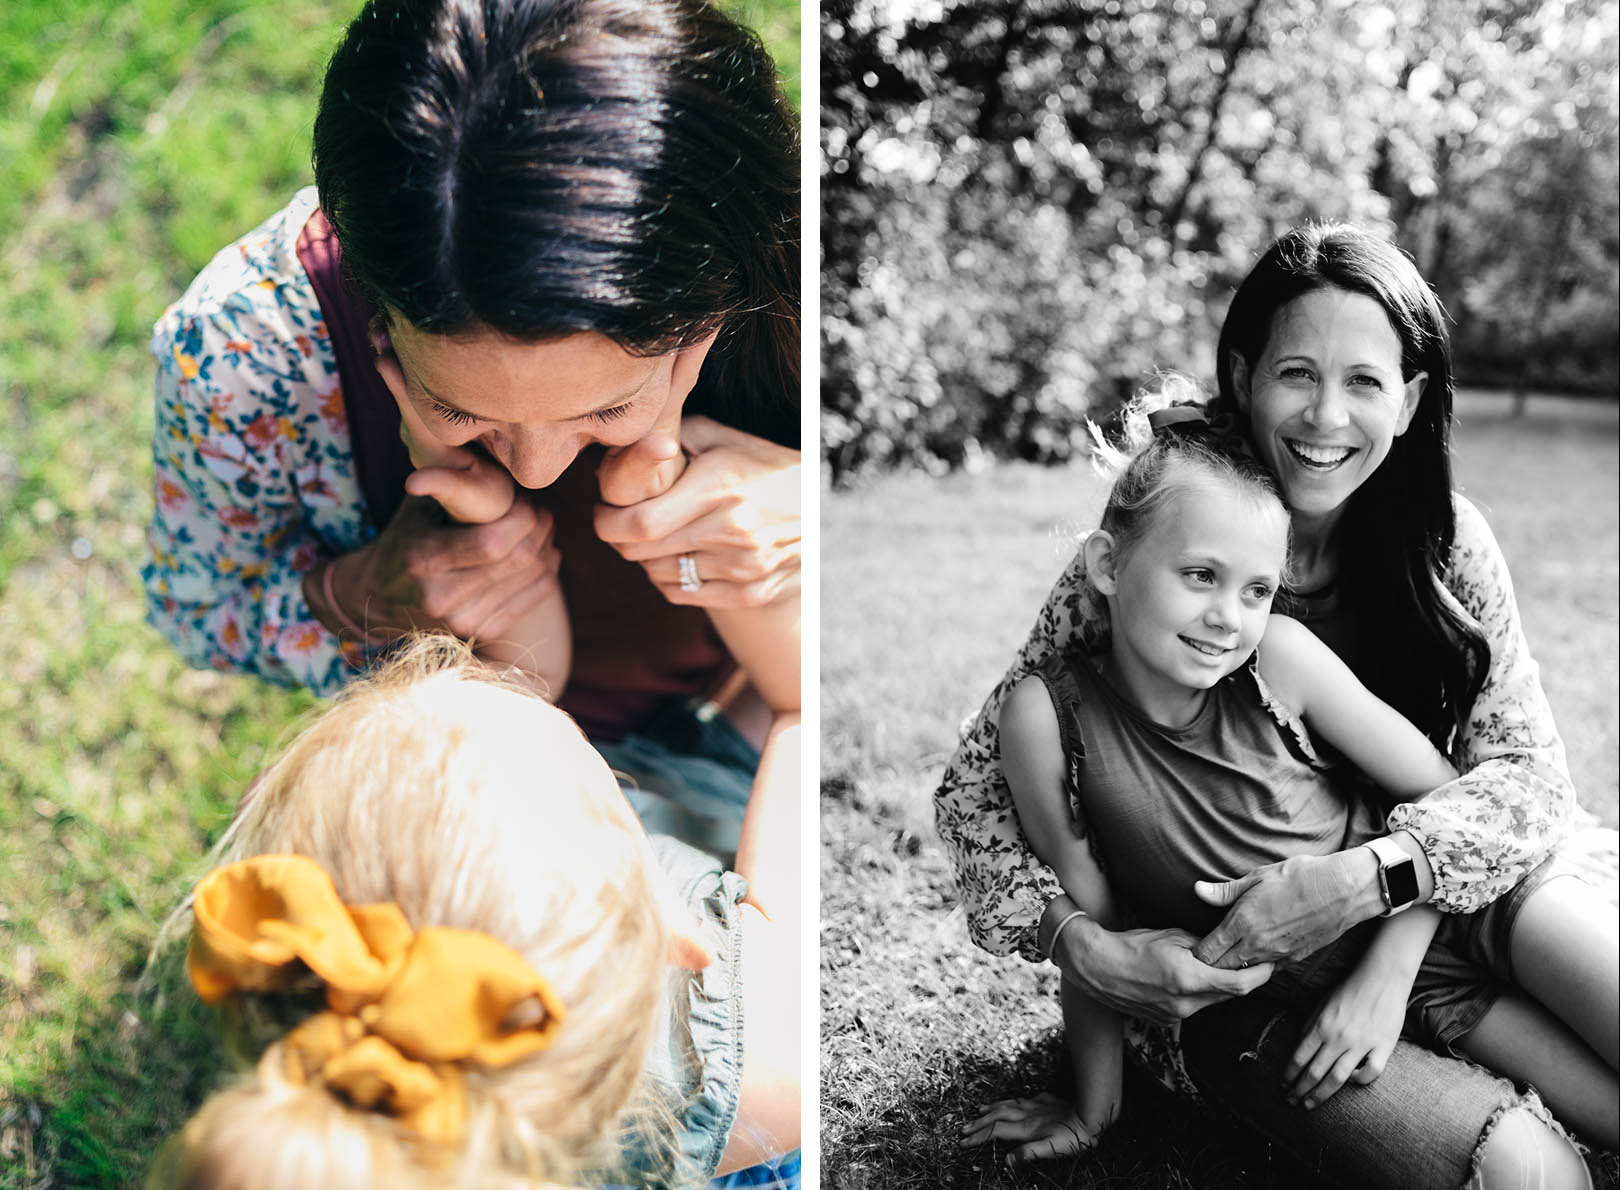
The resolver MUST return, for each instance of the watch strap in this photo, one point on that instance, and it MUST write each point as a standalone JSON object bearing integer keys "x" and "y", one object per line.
{"x": 1391, "y": 856}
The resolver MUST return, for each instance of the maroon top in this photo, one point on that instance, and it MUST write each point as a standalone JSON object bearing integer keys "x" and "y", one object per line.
{"x": 633, "y": 649}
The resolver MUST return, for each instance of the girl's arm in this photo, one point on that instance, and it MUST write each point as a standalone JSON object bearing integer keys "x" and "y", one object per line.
{"x": 1311, "y": 679}
{"x": 1353, "y": 1032}
{"x": 1036, "y": 769}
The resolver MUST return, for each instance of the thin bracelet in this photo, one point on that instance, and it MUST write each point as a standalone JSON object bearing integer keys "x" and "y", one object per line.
{"x": 354, "y": 629}
{"x": 1051, "y": 948}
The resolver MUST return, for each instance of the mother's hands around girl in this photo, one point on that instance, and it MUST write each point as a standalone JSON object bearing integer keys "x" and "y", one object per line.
{"x": 734, "y": 509}
{"x": 1289, "y": 909}
{"x": 1153, "y": 975}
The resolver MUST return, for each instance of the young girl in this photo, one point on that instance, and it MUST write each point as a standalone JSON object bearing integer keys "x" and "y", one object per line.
{"x": 452, "y": 957}
{"x": 1181, "y": 747}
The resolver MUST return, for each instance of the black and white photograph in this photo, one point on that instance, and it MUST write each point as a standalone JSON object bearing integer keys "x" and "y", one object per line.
{"x": 1219, "y": 752}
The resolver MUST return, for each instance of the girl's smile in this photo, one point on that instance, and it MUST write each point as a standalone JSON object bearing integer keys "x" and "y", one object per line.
{"x": 1188, "y": 603}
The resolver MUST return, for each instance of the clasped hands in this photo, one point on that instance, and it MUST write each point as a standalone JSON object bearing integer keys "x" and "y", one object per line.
{"x": 691, "y": 486}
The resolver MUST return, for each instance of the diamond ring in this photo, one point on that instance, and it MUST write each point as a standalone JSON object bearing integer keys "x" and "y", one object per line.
{"x": 689, "y": 574}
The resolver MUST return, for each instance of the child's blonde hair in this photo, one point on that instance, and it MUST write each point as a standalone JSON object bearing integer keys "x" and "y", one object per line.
{"x": 1152, "y": 465}
{"x": 469, "y": 803}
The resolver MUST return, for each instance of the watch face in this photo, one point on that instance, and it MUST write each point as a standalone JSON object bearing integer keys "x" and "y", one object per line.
{"x": 1401, "y": 881}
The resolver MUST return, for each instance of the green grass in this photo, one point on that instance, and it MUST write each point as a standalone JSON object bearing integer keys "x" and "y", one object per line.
{"x": 932, "y": 585}
{"x": 136, "y": 140}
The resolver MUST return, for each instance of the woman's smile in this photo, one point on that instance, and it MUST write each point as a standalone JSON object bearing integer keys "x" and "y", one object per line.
{"x": 1318, "y": 458}
{"x": 1326, "y": 399}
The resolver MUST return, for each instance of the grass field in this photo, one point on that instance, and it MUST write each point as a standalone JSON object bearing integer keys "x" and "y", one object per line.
{"x": 930, "y": 587}
{"x": 136, "y": 140}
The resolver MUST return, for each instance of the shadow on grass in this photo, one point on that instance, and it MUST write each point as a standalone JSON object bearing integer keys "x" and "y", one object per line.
{"x": 1159, "y": 1142}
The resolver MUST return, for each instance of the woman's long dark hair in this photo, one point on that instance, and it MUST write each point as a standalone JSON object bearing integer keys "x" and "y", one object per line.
{"x": 1416, "y": 649}
{"x": 544, "y": 167}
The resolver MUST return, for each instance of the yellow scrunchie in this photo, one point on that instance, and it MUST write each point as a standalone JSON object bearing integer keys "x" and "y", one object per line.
{"x": 403, "y": 1006}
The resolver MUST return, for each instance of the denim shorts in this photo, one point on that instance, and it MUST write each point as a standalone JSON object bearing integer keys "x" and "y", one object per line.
{"x": 1465, "y": 970}
{"x": 687, "y": 773}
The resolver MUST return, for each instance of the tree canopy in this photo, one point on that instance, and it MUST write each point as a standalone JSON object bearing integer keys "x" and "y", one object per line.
{"x": 1031, "y": 205}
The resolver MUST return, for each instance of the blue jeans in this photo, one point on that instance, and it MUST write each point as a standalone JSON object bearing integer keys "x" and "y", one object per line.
{"x": 687, "y": 774}
{"x": 783, "y": 1173}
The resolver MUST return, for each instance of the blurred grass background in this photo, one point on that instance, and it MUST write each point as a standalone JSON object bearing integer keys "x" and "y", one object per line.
{"x": 136, "y": 140}
{"x": 940, "y": 579}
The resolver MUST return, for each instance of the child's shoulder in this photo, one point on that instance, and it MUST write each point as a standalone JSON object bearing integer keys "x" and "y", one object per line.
{"x": 1285, "y": 655}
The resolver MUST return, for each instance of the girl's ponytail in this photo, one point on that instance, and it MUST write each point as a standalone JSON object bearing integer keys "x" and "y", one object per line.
{"x": 1167, "y": 442}
{"x": 417, "y": 789}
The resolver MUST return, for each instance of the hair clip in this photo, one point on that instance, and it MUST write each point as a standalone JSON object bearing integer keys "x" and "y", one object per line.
{"x": 1191, "y": 417}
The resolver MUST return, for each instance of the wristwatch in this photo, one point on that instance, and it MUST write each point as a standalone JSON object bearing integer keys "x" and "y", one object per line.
{"x": 1397, "y": 875}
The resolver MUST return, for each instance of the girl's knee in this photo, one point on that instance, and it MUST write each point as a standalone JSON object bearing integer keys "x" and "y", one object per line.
{"x": 1521, "y": 1151}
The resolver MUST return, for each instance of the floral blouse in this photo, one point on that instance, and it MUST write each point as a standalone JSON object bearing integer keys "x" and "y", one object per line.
{"x": 253, "y": 470}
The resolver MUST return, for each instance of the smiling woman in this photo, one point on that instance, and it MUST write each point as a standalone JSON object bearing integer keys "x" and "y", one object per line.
{"x": 523, "y": 366}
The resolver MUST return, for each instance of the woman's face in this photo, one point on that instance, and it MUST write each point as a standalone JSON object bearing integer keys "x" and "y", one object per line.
{"x": 1325, "y": 400}
{"x": 534, "y": 406}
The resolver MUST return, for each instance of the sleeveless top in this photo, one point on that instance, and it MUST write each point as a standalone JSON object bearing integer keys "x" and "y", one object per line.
{"x": 633, "y": 649}
{"x": 1238, "y": 787}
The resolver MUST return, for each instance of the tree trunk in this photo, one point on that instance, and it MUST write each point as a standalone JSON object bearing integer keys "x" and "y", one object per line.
{"x": 1235, "y": 48}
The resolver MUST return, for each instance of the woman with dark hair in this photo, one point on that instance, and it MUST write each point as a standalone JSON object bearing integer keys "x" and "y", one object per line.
{"x": 1335, "y": 364}
{"x": 563, "y": 238}
{"x": 554, "y": 243}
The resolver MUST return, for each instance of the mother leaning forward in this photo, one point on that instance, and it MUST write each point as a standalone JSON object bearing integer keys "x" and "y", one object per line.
{"x": 1403, "y": 579}
{"x": 564, "y": 238}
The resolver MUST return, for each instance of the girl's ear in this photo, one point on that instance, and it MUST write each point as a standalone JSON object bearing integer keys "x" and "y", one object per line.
{"x": 1101, "y": 561}
{"x": 1240, "y": 380}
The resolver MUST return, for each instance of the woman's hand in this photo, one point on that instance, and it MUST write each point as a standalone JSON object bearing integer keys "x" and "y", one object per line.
{"x": 1045, "y": 1126}
{"x": 1289, "y": 909}
{"x": 1152, "y": 975}
{"x": 1350, "y": 1037}
{"x": 420, "y": 573}
{"x": 734, "y": 508}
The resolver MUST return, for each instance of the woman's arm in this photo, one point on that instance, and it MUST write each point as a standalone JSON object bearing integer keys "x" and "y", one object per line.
{"x": 768, "y": 846}
{"x": 733, "y": 504}
{"x": 1311, "y": 679}
{"x": 237, "y": 470}
{"x": 768, "y": 858}
{"x": 1483, "y": 832}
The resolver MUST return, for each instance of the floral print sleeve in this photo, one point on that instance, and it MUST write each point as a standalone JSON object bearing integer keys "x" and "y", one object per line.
{"x": 1514, "y": 801}
{"x": 252, "y": 475}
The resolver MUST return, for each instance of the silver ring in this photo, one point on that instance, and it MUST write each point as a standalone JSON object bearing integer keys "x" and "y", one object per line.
{"x": 689, "y": 575}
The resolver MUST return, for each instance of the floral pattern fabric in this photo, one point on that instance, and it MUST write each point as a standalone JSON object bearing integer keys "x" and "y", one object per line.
{"x": 1482, "y": 832}
{"x": 253, "y": 470}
